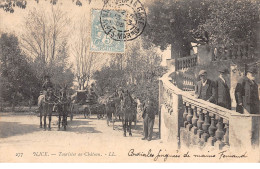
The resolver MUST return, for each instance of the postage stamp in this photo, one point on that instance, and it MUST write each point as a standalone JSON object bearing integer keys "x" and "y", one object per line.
{"x": 100, "y": 41}
{"x": 126, "y": 23}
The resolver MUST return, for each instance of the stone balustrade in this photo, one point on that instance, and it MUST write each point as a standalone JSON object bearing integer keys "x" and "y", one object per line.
{"x": 239, "y": 51}
{"x": 189, "y": 121}
{"x": 186, "y": 62}
{"x": 208, "y": 122}
{"x": 184, "y": 81}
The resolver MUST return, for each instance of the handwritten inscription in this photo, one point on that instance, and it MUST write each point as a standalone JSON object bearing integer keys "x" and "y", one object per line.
{"x": 155, "y": 156}
{"x": 223, "y": 154}
{"x": 163, "y": 154}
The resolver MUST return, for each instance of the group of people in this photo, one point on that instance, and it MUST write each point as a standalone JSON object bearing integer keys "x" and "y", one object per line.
{"x": 218, "y": 92}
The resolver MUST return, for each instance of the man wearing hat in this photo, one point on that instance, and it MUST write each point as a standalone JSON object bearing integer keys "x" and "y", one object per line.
{"x": 148, "y": 120}
{"x": 223, "y": 98}
{"x": 47, "y": 84}
{"x": 246, "y": 93}
{"x": 205, "y": 88}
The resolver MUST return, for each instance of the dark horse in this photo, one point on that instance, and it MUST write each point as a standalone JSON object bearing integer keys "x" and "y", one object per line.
{"x": 63, "y": 107}
{"x": 112, "y": 107}
{"x": 47, "y": 106}
{"x": 128, "y": 111}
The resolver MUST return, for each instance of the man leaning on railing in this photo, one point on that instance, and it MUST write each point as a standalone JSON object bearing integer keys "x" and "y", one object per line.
{"x": 205, "y": 88}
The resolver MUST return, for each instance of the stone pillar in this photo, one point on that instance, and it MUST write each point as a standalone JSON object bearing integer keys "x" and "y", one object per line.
{"x": 244, "y": 131}
{"x": 170, "y": 123}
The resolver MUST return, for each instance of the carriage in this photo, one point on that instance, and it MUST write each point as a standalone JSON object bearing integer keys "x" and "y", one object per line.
{"x": 116, "y": 111}
{"x": 51, "y": 105}
{"x": 83, "y": 103}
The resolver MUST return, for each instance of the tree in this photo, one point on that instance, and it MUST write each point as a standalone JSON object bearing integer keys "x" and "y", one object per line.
{"x": 45, "y": 42}
{"x": 86, "y": 61}
{"x": 232, "y": 21}
{"x": 174, "y": 22}
{"x": 138, "y": 71}
{"x": 18, "y": 82}
{"x": 210, "y": 22}
{"x": 9, "y": 5}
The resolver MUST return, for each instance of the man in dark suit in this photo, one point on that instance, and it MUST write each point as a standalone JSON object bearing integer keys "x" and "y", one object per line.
{"x": 205, "y": 88}
{"x": 148, "y": 120}
{"x": 223, "y": 98}
{"x": 246, "y": 93}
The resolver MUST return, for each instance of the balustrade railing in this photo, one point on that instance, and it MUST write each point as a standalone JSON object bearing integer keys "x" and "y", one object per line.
{"x": 184, "y": 81}
{"x": 240, "y": 51}
{"x": 208, "y": 122}
{"x": 186, "y": 62}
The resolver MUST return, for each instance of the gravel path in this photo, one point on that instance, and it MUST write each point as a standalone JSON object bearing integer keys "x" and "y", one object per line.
{"x": 20, "y": 133}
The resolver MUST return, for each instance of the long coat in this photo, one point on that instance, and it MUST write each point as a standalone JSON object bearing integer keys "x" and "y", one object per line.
{"x": 210, "y": 92}
{"x": 148, "y": 109}
{"x": 222, "y": 94}
{"x": 246, "y": 92}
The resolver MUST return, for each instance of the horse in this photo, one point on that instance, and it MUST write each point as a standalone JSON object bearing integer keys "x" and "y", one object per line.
{"x": 40, "y": 107}
{"x": 63, "y": 107}
{"x": 112, "y": 107}
{"x": 48, "y": 104}
{"x": 128, "y": 111}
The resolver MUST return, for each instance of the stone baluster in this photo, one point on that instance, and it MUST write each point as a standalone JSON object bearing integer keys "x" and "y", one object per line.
{"x": 225, "y": 57}
{"x": 250, "y": 52}
{"x": 229, "y": 56}
{"x": 194, "y": 120}
{"x": 244, "y": 51}
{"x": 200, "y": 122}
{"x": 189, "y": 117}
{"x": 226, "y": 136}
{"x": 234, "y": 52}
{"x": 212, "y": 130}
{"x": 185, "y": 114}
{"x": 219, "y": 133}
{"x": 239, "y": 54}
{"x": 205, "y": 126}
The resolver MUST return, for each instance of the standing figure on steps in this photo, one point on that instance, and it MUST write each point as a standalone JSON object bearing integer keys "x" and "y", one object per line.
{"x": 246, "y": 93}
{"x": 223, "y": 98}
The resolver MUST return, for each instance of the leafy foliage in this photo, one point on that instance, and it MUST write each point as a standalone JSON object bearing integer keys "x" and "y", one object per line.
{"x": 137, "y": 72}
{"x": 18, "y": 80}
{"x": 174, "y": 22}
{"x": 211, "y": 22}
{"x": 232, "y": 21}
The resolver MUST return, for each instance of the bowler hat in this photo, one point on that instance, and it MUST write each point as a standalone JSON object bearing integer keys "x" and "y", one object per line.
{"x": 252, "y": 70}
{"x": 223, "y": 70}
{"x": 202, "y": 72}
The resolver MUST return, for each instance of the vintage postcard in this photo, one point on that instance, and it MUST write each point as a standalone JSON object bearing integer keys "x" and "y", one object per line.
{"x": 129, "y": 81}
